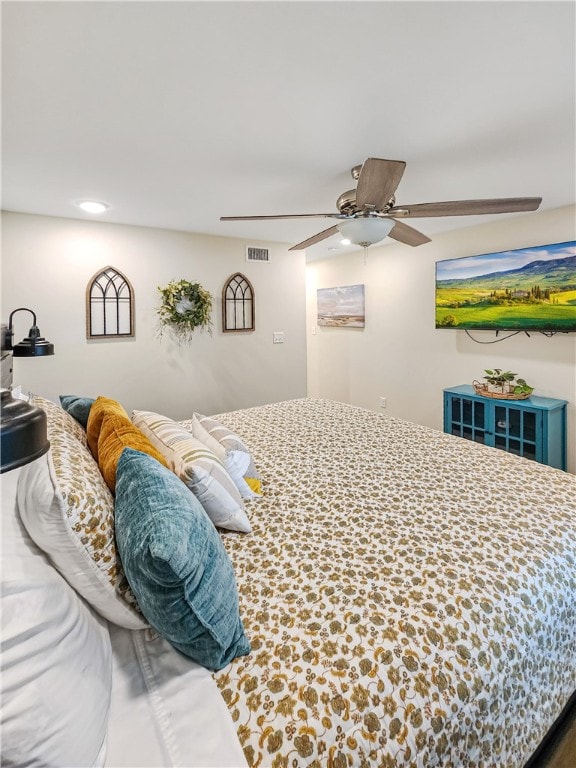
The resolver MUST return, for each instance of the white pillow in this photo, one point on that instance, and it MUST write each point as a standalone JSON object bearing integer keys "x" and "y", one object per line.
{"x": 232, "y": 451}
{"x": 56, "y": 660}
{"x": 68, "y": 511}
{"x": 198, "y": 467}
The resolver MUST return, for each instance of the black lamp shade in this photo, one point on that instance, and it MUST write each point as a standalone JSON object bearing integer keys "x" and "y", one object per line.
{"x": 33, "y": 345}
{"x": 23, "y": 432}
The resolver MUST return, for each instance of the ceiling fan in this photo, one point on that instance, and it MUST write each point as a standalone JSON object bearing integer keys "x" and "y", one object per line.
{"x": 369, "y": 213}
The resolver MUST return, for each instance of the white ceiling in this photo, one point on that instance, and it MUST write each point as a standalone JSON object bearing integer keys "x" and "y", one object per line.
{"x": 176, "y": 113}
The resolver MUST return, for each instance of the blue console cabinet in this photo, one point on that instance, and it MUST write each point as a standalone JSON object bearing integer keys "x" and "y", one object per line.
{"x": 534, "y": 428}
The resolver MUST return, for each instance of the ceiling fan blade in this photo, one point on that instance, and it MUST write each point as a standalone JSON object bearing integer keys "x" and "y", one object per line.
{"x": 467, "y": 207}
{"x": 377, "y": 182}
{"x": 408, "y": 235}
{"x": 315, "y": 239}
{"x": 280, "y": 216}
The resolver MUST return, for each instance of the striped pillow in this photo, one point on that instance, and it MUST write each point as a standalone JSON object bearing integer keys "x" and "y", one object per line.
{"x": 231, "y": 451}
{"x": 198, "y": 467}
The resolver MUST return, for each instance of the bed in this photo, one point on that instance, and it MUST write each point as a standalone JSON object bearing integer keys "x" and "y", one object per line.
{"x": 409, "y": 596}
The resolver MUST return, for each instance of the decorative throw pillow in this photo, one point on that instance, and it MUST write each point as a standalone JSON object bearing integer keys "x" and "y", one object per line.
{"x": 198, "y": 468}
{"x": 176, "y": 563}
{"x": 78, "y": 407}
{"x": 100, "y": 408}
{"x": 59, "y": 418}
{"x": 68, "y": 511}
{"x": 117, "y": 433}
{"x": 231, "y": 451}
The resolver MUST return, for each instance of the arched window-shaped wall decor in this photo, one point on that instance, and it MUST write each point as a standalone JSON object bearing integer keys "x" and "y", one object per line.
{"x": 238, "y": 304}
{"x": 109, "y": 305}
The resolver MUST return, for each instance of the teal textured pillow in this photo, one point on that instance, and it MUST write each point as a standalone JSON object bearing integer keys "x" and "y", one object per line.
{"x": 78, "y": 407}
{"x": 175, "y": 562}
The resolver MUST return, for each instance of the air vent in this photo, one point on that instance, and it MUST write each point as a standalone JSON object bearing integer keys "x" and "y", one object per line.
{"x": 257, "y": 254}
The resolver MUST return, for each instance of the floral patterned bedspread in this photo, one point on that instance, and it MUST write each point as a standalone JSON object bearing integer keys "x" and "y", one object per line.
{"x": 410, "y": 596}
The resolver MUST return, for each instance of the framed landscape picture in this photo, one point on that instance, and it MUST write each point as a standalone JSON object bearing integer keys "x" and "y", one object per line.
{"x": 341, "y": 307}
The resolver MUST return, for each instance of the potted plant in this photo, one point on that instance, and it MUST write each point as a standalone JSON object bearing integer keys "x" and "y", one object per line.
{"x": 504, "y": 384}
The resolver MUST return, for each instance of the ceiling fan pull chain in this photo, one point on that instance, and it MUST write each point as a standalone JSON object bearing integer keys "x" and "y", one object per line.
{"x": 365, "y": 255}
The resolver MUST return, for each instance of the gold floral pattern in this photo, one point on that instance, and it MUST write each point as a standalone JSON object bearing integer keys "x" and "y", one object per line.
{"x": 60, "y": 419}
{"x": 89, "y": 506}
{"x": 409, "y": 595}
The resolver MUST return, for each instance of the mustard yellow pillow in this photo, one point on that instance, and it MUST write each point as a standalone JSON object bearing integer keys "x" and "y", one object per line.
{"x": 100, "y": 407}
{"x": 117, "y": 433}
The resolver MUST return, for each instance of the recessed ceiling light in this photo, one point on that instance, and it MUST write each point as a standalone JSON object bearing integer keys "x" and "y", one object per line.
{"x": 345, "y": 241}
{"x": 92, "y": 206}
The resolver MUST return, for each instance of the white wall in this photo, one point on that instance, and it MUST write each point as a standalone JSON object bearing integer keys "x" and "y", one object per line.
{"x": 46, "y": 265}
{"x": 401, "y": 356}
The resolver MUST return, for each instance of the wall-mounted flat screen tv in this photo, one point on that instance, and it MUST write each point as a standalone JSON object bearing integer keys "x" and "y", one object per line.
{"x": 527, "y": 289}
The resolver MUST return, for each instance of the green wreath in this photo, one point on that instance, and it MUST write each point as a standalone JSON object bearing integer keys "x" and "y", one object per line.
{"x": 185, "y": 307}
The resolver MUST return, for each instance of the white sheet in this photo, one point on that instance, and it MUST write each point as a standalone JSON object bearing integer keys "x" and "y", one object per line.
{"x": 166, "y": 710}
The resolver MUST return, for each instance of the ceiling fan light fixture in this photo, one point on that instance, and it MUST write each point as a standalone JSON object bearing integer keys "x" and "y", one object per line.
{"x": 366, "y": 230}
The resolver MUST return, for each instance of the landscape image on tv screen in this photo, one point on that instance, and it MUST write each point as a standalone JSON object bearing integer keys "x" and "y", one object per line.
{"x": 527, "y": 289}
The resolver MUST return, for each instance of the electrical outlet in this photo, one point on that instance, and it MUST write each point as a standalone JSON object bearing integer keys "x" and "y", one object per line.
{"x": 382, "y": 402}
{"x": 278, "y": 337}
